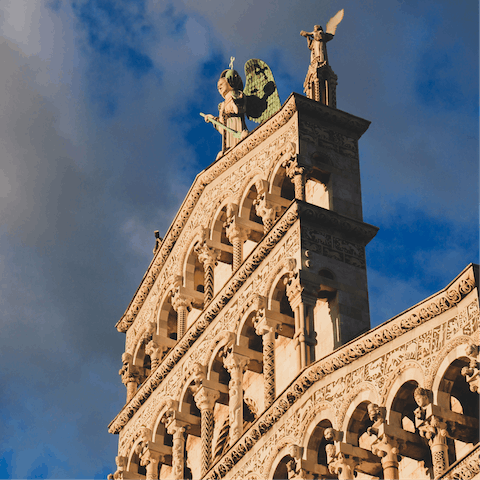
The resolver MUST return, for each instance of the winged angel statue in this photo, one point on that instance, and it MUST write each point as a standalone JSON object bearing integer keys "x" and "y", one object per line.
{"x": 317, "y": 40}
{"x": 259, "y": 100}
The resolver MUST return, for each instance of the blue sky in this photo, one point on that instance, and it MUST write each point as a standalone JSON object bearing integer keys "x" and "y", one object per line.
{"x": 100, "y": 140}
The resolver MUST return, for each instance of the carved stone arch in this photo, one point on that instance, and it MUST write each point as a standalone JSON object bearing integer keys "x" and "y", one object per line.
{"x": 189, "y": 260}
{"x": 282, "y": 448}
{"x": 251, "y": 180}
{"x": 322, "y": 411}
{"x": 164, "y": 405}
{"x": 286, "y": 266}
{"x": 278, "y": 174}
{"x": 314, "y": 417}
{"x": 445, "y": 357}
{"x": 216, "y": 225}
{"x": 222, "y": 340}
{"x": 164, "y": 314}
{"x": 133, "y": 460}
{"x": 255, "y": 303}
{"x": 171, "y": 284}
{"x": 357, "y": 400}
{"x": 408, "y": 371}
{"x": 246, "y": 209}
{"x": 453, "y": 352}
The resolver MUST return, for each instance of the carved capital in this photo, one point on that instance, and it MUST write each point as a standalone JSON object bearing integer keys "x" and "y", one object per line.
{"x": 235, "y": 363}
{"x": 180, "y": 300}
{"x": 207, "y": 255}
{"x": 266, "y": 209}
{"x": 265, "y": 326}
{"x": 205, "y": 398}
{"x": 343, "y": 466}
{"x": 235, "y": 231}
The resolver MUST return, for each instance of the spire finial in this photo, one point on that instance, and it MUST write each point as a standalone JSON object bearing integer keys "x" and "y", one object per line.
{"x": 232, "y": 59}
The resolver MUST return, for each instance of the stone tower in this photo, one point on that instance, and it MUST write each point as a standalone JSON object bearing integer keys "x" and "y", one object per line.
{"x": 246, "y": 352}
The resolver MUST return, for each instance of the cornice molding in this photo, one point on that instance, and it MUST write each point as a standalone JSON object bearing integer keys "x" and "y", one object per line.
{"x": 356, "y": 229}
{"x": 331, "y": 116}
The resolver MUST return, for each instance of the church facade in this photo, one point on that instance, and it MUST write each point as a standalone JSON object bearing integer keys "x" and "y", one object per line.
{"x": 248, "y": 351}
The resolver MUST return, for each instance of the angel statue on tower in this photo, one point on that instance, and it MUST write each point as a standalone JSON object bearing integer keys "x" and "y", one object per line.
{"x": 259, "y": 101}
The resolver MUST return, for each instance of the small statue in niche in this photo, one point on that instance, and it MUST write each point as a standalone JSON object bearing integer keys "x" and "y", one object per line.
{"x": 258, "y": 101}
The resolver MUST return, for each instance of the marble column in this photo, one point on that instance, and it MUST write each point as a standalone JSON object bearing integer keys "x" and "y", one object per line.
{"x": 297, "y": 175}
{"x": 177, "y": 429}
{"x": 205, "y": 399}
{"x": 235, "y": 365}
{"x": 237, "y": 235}
{"x": 182, "y": 304}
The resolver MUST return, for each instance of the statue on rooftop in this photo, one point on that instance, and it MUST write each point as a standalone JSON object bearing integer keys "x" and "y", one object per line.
{"x": 258, "y": 101}
{"x": 317, "y": 40}
{"x": 320, "y": 82}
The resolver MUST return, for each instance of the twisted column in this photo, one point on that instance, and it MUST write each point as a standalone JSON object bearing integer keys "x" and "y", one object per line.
{"x": 182, "y": 304}
{"x": 266, "y": 210}
{"x": 208, "y": 257}
{"x": 267, "y": 329}
{"x": 236, "y": 234}
{"x": 235, "y": 364}
{"x": 205, "y": 399}
{"x": 177, "y": 430}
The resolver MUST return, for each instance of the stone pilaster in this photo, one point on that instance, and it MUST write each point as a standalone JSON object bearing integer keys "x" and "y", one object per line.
{"x": 235, "y": 364}
{"x": 182, "y": 304}
{"x": 205, "y": 399}
{"x": 208, "y": 256}
{"x": 266, "y": 329}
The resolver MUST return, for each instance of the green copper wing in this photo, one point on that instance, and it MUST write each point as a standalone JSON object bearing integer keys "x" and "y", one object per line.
{"x": 260, "y": 91}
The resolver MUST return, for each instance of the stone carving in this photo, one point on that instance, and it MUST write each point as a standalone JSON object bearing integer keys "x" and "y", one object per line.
{"x": 235, "y": 365}
{"x": 208, "y": 257}
{"x": 121, "y": 463}
{"x": 320, "y": 81}
{"x": 472, "y": 372}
